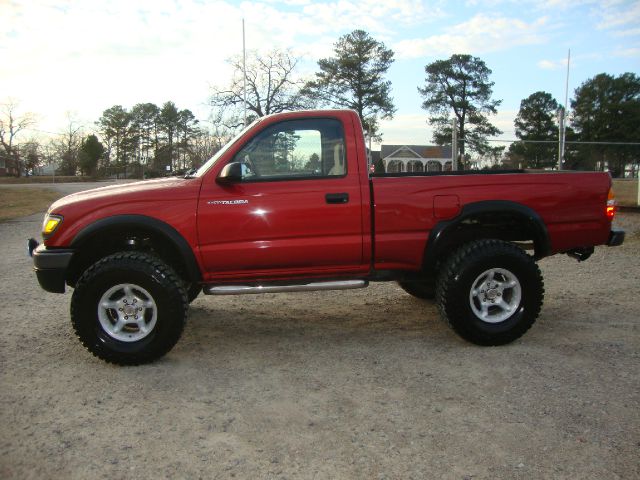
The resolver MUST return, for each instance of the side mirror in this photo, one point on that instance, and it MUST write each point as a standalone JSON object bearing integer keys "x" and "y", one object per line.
{"x": 231, "y": 173}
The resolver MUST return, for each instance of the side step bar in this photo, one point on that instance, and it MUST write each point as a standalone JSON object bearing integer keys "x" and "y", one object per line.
{"x": 307, "y": 287}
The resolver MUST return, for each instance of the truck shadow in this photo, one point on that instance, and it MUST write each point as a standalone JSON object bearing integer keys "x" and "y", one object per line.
{"x": 388, "y": 313}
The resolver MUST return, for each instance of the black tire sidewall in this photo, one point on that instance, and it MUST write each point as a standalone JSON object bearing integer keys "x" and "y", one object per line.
{"x": 167, "y": 297}
{"x": 193, "y": 291}
{"x": 457, "y": 305}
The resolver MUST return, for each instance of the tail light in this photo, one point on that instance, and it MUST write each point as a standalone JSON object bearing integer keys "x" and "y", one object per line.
{"x": 611, "y": 205}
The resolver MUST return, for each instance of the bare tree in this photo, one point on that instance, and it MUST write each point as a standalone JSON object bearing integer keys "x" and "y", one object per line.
{"x": 31, "y": 155}
{"x": 205, "y": 144}
{"x": 220, "y": 129}
{"x": 272, "y": 86}
{"x": 12, "y": 123}
{"x": 68, "y": 145}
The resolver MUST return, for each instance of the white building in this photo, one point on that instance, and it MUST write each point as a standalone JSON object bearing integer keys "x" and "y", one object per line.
{"x": 415, "y": 158}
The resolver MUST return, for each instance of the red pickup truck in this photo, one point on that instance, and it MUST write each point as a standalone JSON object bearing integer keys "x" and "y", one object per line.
{"x": 290, "y": 205}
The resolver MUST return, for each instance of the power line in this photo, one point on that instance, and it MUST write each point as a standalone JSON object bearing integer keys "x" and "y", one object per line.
{"x": 55, "y": 133}
{"x": 555, "y": 142}
{"x": 43, "y": 131}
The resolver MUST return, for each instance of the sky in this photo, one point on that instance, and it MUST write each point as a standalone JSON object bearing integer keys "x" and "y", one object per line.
{"x": 80, "y": 57}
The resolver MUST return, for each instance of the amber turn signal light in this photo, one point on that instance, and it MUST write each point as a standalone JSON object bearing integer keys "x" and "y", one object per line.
{"x": 50, "y": 224}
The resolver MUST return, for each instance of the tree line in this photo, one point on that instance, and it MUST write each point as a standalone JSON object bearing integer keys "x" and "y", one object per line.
{"x": 158, "y": 139}
{"x": 145, "y": 140}
{"x": 604, "y": 125}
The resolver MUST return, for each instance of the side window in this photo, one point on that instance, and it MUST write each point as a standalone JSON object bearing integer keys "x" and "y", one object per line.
{"x": 296, "y": 149}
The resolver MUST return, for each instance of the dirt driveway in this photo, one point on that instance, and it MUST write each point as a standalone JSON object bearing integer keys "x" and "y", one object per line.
{"x": 363, "y": 384}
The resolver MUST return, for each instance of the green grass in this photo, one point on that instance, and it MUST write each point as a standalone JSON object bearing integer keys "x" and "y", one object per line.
{"x": 45, "y": 179}
{"x": 20, "y": 202}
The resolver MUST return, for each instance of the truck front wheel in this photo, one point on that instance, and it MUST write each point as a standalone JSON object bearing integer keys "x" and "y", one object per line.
{"x": 129, "y": 308}
{"x": 490, "y": 292}
{"x": 193, "y": 290}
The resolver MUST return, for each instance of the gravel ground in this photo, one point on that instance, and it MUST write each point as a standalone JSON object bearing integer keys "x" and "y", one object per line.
{"x": 360, "y": 384}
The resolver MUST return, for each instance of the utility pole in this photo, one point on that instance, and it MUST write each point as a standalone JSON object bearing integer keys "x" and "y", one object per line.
{"x": 560, "y": 137}
{"x": 244, "y": 75}
{"x": 454, "y": 144}
{"x": 562, "y": 124}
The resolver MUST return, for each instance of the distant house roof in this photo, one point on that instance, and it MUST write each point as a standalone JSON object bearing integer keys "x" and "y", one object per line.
{"x": 375, "y": 156}
{"x": 416, "y": 151}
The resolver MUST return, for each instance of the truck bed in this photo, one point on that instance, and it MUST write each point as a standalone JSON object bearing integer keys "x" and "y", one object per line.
{"x": 409, "y": 206}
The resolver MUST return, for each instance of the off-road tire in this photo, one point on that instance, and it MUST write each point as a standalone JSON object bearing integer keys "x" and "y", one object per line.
{"x": 423, "y": 290}
{"x": 193, "y": 290}
{"x": 151, "y": 275}
{"x": 457, "y": 298}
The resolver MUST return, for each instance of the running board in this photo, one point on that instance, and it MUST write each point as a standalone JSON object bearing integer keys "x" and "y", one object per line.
{"x": 307, "y": 287}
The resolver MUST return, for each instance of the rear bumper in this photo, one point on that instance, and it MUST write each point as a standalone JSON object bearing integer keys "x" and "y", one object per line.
{"x": 616, "y": 237}
{"x": 50, "y": 266}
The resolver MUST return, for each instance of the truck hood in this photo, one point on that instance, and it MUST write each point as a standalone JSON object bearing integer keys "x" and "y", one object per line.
{"x": 150, "y": 189}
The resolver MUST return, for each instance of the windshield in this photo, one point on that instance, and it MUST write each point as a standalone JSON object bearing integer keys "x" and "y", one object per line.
{"x": 203, "y": 169}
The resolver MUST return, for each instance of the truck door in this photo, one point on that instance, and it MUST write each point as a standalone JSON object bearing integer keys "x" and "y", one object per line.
{"x": 295, "y": 210}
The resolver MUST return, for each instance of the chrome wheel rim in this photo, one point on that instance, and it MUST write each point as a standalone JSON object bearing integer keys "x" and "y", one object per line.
{"x": 127, "y": 312}
{"x": 495, "y": 295}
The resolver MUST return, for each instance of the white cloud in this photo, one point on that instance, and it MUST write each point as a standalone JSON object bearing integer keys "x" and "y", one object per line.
{"x": 552, "y": 64}
{"x": 481, "y": 34}
{"x": 560, "y": 5}
{"x": 614, "y": 14}
{"x": 631, "y": 52}
{"x": 630, "y": 32}
{"x": 576, "y": 60}
{"x": 86, "y": 56}
{"x": 547, "y": 64}
{"x": 538, "y": 5}
{"x": 504, "y": 121}
{"x": 406, "y": 130}
{"x": 313, "y": 23}
{"x": 413, "y": 129}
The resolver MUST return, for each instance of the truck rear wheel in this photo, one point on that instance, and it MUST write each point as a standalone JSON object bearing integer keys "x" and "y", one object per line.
{"x": 129, "y": 308}
{"x": 490, "y": 292}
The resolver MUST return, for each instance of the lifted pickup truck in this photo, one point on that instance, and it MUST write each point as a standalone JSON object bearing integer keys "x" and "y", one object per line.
{"x": 290, "y": 205}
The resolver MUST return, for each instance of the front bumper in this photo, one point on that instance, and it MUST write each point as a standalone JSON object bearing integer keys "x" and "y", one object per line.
{"x": 50, "y": 266}
{"x": 616, "y": 237}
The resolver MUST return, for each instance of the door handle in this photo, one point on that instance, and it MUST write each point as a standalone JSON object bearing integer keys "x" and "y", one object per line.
{"x": 337, "y": 197}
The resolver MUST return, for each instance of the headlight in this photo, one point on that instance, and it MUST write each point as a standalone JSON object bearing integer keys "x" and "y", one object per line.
{"x": 50, "y": 224}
